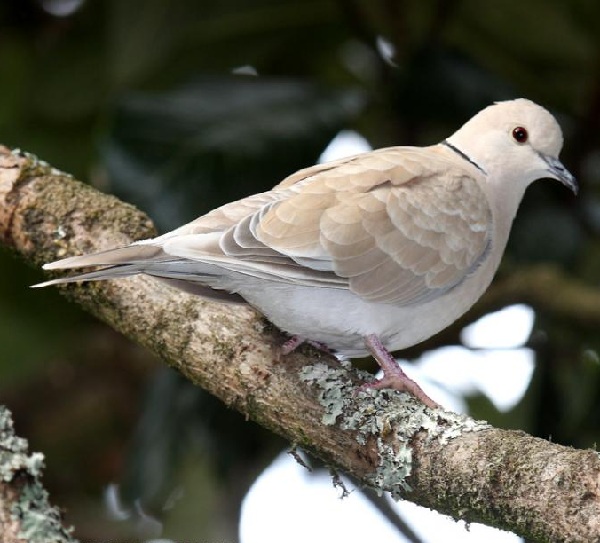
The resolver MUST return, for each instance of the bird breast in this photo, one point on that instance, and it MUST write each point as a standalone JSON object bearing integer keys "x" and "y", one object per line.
{"x": 340, "y": 319}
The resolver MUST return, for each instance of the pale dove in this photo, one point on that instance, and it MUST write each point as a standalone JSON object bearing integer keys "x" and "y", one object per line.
{"x": 368, "y": 254}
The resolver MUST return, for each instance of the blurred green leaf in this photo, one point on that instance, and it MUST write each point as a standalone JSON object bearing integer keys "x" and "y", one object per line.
{"x": 35, "y": 325}
{"x": 537, "y": 45}
{"x": 181, "y": 153}
{"x": 546, "y": 234}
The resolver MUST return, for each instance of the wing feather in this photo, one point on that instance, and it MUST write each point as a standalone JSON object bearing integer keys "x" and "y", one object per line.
{"x": 400, "y": 225}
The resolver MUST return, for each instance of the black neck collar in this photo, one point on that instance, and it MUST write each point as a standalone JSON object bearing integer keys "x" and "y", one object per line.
{"x": 463, "y": 156}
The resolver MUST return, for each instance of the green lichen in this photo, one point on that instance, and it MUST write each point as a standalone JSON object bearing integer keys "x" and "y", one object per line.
{"x": 37, "y": 167}
{"x": 38, "y": 521}
{"x": 388, "y": 418}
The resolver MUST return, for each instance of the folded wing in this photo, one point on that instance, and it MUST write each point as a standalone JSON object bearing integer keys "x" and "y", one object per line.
{"x": 398, "y": 226}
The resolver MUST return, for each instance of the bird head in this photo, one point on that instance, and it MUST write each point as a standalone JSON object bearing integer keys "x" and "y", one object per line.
{"x": 514, "y": 143}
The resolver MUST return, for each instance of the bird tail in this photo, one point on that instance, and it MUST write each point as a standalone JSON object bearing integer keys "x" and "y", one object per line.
{"x": 120, "y": 262}
{"x": 189, "y": 276}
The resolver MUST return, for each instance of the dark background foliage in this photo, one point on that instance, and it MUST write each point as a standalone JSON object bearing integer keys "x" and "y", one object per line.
{"x": 154, "y": 100}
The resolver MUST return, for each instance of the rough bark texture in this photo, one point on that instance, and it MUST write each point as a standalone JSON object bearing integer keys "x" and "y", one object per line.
{"x": 385, "y": 440}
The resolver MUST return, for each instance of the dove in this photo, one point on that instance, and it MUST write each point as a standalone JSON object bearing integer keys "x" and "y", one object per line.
{"x": 369, "y": 254}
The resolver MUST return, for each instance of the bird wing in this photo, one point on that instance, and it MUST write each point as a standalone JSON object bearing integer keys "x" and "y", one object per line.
{"x": 399, "y": 225}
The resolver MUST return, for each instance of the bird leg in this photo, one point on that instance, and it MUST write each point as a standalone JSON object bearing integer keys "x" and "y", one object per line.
{"x": 291, "y": 345}
{"x": 295, "y": 341}
{"x": 393, "y": 376}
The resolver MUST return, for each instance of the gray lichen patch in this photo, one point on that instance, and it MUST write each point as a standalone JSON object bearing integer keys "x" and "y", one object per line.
{"x": 388, "y": 418}
{"x": 38, "y": 521}
{"x": 13, "y": 452}
{"x": 335, "y": 391}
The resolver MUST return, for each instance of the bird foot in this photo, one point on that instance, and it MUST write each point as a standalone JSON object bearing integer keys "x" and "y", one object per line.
{"x": 400, "y": 381}
{"x": 393, "y": 376}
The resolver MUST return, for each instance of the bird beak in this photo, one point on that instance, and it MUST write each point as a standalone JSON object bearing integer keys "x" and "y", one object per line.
{"x": 559, "y": 172}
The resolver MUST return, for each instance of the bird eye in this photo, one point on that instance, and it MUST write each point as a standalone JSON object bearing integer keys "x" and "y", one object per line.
{"x": 520, "y": 134}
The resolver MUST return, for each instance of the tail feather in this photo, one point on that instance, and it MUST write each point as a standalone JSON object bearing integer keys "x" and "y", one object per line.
{"x": 122, "y": 255}
{"x": 119, "y": 262}
{"x": 111, "y": 272}
{"x": 183, "y": 275}
{"x": 133, "y": 260}
{"x": 193, "y": 277}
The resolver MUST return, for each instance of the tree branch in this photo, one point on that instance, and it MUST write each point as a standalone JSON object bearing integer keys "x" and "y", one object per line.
{"x": 386, "y": 440}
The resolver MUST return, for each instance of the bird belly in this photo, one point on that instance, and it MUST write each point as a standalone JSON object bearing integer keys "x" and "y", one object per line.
{"x": 340, "y": 319}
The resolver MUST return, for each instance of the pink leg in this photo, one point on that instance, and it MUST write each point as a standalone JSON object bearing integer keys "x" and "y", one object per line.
{"x": 393, "y": 376}
{"x": 291, "y": 345}
{"x": 295, "y": 341}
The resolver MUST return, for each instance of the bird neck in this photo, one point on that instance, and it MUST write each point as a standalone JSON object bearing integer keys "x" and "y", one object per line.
{"x": 462, "y": 155}
{"x": 504, "y": 200}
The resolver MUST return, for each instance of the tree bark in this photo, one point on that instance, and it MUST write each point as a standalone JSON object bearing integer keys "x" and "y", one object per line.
{"x": 386, "y": 440}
